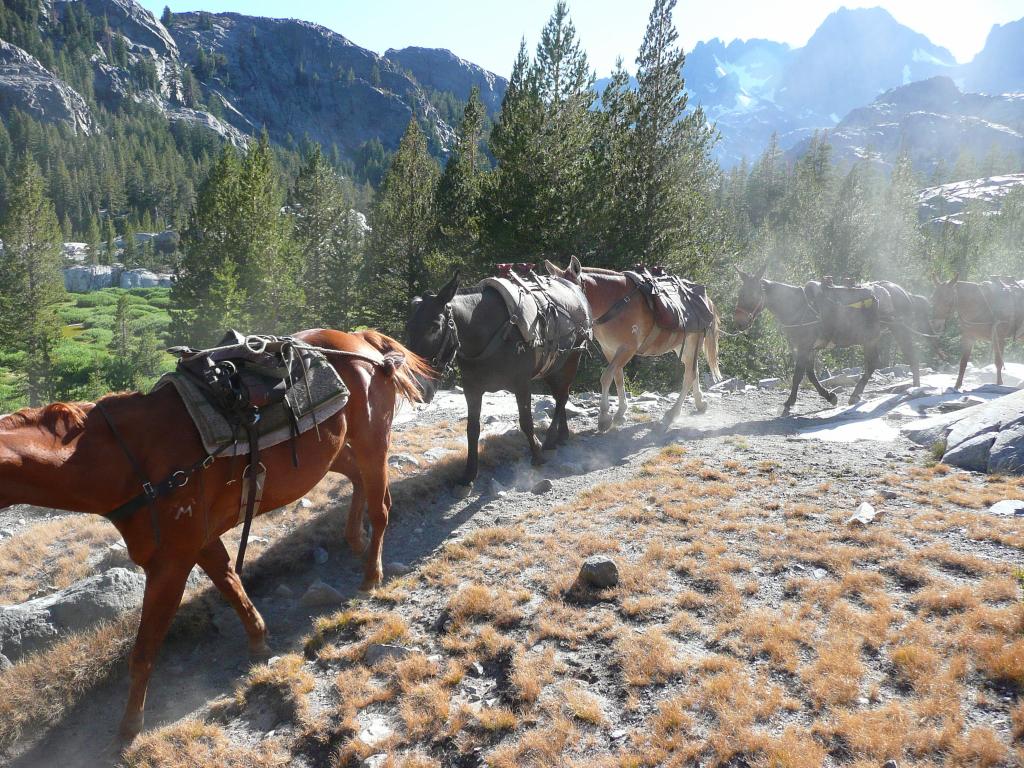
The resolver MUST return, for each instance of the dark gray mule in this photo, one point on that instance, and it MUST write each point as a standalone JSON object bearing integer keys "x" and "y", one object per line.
{"x": 476, "y": 331}
{"x": 812, "y": 317}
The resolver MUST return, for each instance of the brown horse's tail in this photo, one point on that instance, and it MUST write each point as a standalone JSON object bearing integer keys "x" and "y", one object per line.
{"x": 711, "y": 345}
{"x": 403, "y": 366}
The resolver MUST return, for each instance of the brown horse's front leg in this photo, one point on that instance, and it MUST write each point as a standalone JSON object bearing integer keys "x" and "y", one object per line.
{"x": 165, "y": 584}
{"x": 214, "y": 560}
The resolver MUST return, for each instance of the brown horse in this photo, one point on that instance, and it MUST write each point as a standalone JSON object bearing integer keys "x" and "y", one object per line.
{"x": 66, "y": 456}
{"x": 633, "y": 332}
{"x": 986, "y": 311}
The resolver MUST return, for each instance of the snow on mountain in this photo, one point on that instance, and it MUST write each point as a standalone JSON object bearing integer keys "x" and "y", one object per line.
{"x": 951, "y": 203}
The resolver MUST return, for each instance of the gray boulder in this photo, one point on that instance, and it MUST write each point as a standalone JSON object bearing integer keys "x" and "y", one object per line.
{"x": 972, "y": 454}
{"x": 91, "y": 277}
{"x": 143, "y": 278}
{"x": 33, "y": 625}
{"x": 1007, "y": 452}
{"x": 377, "y": 652}
{"x": 599, "y": 571}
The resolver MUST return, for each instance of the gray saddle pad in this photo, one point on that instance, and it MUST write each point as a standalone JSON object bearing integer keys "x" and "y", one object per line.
{"x": 326, "y": 395}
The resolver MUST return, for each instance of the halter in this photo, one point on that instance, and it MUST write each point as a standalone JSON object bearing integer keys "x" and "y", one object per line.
{"x": 444, "y": 360}
{"x": 751, "y": 314}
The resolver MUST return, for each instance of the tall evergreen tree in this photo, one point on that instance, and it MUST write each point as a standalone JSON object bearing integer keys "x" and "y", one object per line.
{"x": 459, "y": 191}
{"x": 670, "y": 169}
{"x": 403, "y": 223}
{"x": 31, "y": 279}
{"x": 329, "y": 238}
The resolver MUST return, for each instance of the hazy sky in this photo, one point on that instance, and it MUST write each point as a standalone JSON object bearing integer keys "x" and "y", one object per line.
{"x": 487, "y": 32}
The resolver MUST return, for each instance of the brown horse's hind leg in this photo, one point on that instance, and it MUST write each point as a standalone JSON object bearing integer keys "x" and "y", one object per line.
{"x": 374, "y": 470}
{"x": 214, "y": 560}
{"x": 165, "y": 584}
{"x": 346, "y": 465}
{"x": 688, "y": 352}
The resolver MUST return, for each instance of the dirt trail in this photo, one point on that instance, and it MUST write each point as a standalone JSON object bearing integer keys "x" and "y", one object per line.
{"x": 205, "y": 656}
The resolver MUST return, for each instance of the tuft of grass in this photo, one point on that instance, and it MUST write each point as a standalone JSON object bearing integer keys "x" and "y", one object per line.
{"x": 647, "y": 657}
{"x": 284, "y": 684}
{"x": 193, "y": 743}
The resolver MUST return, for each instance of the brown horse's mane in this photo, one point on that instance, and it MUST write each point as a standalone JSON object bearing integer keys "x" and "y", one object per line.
{"x": 52, "y": 416}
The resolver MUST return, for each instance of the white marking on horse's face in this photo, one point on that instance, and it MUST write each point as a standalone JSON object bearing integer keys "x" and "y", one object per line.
{"x": 636, "y": 330}
{"x": 183, "y": 511}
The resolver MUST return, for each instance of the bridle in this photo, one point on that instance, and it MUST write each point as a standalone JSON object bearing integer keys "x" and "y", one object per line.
{"x": 751, "y": 314}
{"x": 444, "y": 360}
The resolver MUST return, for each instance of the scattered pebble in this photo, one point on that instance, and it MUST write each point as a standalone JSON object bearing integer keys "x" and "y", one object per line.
{"x": 396, "y": 568}
{"x": 321, "y": 595}
{"x": 378, "y": 652}
{"x": 1007, "y": 508}
{"x": 543, "y": 486}
{"x": 305, "y": 503}
{"x": 320, "y": 555}
{"x": 403, "y": 460}
{"x": 865, "y": 514}
{"x": 284, "y": 591}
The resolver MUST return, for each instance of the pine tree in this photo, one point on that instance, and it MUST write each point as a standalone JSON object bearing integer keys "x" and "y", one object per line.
{"x": 129, "y": 247}
{"x": 31, "y": 279}
{"x": 167, "y": 18}
{"x": 321, "y": 207}
{"x": 671, "y": 169}
{"x": 206, "y": 294}
{"x": 402, "y": 224}
{"x": 459, "y": 191}
{"x": 92, "y": 241}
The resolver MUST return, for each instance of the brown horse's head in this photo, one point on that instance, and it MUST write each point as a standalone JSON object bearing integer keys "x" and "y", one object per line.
{"x": 751, "y": 298}
{"x": 32, "y": 441}
{"x": 571, "y": 273}
{"x": 943, "y": 301}
{"x": 430, "y": 333}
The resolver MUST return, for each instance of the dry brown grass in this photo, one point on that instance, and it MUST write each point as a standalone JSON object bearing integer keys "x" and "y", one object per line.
{"x": 195, "y": 744}
{"x": 282, "y": 685}
{"x": 39, "y": 689}
{"x": 49, "y": 556}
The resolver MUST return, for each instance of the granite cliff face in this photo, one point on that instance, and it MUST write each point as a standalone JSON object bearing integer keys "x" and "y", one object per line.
{"x": 439, "y": 69}
{"x": 29, "y": 87}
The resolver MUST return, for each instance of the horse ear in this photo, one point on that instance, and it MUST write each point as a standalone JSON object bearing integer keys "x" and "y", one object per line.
{"x": 935, "y": 280}
{"x": 762, "y": 270}
{"x": 575, "y": 268}
{"x": 956, "y": 278}
{"x": 553, "y": 269}
{"x": 742, "y": 275}
{"x": 447, "y": 293}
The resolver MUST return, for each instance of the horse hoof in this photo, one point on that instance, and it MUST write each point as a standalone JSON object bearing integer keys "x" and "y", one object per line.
{"x": 131, "y": 727}
{"x": 702, "y": 408}
{"x": 603, "y": 425}
{"x": 832, "y": 398}
{"x": 260, "y": 651}
{"x": 370, "y": 584}
{"x": 462, "y": 489}
{"x": 538, "y": 461}
{"x": 854, "y": 399}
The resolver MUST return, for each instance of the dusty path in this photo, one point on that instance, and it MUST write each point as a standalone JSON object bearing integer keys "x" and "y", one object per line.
{"x": 205, "y": 657}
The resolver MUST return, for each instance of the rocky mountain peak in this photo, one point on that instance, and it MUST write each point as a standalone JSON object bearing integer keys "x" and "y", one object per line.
{"x": 441, "y": 70}
{"x": 27, "y": 85}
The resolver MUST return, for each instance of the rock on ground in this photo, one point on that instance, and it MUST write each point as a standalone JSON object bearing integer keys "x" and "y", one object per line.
{"x": 599, "y": 571}
{"x": 34, "y": 624}
{"x": 321, "y": 595}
